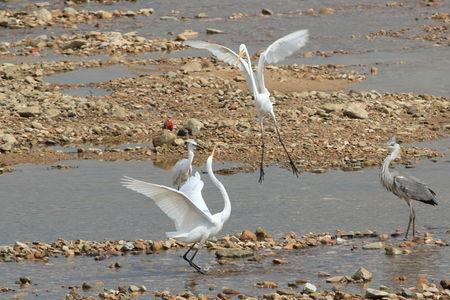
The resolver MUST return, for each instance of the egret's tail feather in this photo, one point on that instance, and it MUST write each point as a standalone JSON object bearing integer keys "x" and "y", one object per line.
{"x": 176, "y": 234}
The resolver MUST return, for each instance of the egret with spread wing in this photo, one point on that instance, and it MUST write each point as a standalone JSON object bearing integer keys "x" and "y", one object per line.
{"x": 186, "y": 207}
{"x": 276, "y": 52}
{"x": 183, "y": 168}
{"x": 405, "y": 187}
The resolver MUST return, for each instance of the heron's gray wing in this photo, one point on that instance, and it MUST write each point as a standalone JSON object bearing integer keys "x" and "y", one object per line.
{"x": 414, "y": 189}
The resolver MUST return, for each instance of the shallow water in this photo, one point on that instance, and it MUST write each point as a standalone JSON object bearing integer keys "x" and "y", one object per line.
{"x": 85, "y": 91}
{"x": 87, "y": 202}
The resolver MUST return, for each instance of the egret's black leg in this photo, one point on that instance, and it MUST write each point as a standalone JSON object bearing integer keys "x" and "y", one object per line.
{"x": 194, "y": 265}
{"x": 294, "y": 168}
{"x": 414, "y": 220}
{"x": 263, "y": 146}
{"x": 187, "y": 252}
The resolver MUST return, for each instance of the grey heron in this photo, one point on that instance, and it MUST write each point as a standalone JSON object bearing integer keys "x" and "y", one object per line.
{"x": 405, "y": 187}
{"x": 194, "y": 222}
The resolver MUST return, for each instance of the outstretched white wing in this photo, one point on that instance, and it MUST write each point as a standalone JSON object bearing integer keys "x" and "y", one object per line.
{"x": 175, "y": 204}
{"x": 193, "y": 190}
{"x": 221, "y": 52}
{"x": 226, "y": 55}
{"x": 279, "y": 50}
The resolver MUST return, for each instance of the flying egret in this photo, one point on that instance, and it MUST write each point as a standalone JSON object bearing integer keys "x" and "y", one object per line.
{"x": 276, "y": 52}
{"x": 405, "y": 187}
{"x": 182, "y": 170}
{"x": 186, "y": 207}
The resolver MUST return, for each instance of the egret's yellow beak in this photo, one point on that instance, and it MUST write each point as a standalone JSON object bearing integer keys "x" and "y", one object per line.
{"x": 240, "y": 55}
{"x": 213, "y": 150}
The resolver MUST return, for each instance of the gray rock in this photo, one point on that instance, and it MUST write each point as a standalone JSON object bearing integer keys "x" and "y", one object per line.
{"x": 192, "y": 66}
{"x": 134, "y": 288}
{"x": 286, "y": 292}
{"x": 266, "y": 12}
{"x": 52, "y": 112}
{"x": 309, "y": 288}
{"x": 119, "y": 112}
{"x": 164, "y": 137}
{"x": 69, "y": 11}
{"x": 356, "y": 111}
{"x": 7, "y": 142}
{"x": 392, "y": 251}
{"x": 193, "y": 126}
{"x": 375, "y": 294}
{"x": 213, "y": 31}
{"x": 43, "y": 15}
{"x": 336, "y": 279}
{"x": 75, "y": 44}
{"x": 332, "y": 107}
{"x": 408, "y": 293}
{"x": 29, "y": 111}
{"x": 445, "y": 283}
{"x": 362, "y": 274}
{"x": 233, "y": 253}
{"x": 373, "y": 246}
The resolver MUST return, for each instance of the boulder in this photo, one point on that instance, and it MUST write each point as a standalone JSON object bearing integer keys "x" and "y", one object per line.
{"x": 356, "y": 111}
{"x": 164, "y": 137}
{"x": 362, "y": 274}
{"x": 193, "y": 126}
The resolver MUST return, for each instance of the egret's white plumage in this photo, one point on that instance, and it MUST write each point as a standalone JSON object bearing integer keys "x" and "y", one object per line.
{"x": 183, "y": 168}
{"x": 277, "y": 51}
{"x": 193, "y": 221}
{"x": 405, "y": 187}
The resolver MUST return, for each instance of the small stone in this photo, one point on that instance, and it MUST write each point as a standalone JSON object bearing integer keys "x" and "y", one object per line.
{"x": 373, "y": 246}
{"x": 266, "y": 12}
{"x": 233, "y": 253}
{"x": 356, "y": 111}
{"x": 43, "y": 15}
{"x": 375, "y": 294}
{"x": 230, "y": 291}
{"x": 407, "y": 293}
{"x": 104, "y": 15}
{"x": 86, "y": 286}
{"x": 248, "y": 235}
{"x": 115, "y": 265}
{"x": 286, "y": 292}
{"x": 213, "y": 31}
{"x": 261, "y": 233}
{"x": 336, "y": 279}
{"x": 178, "y": 142}
{"x": 392, "y": 251}
{"x": 309, "y": 288}
{"x": 29, "y": 111}
{"x": 192, "y": 66}
{"x": 445, "y": 283}
{"x": 362, "y": 274}
{"x": 75, "y": 44}
{"x": 158, "y": 246}
{"x": 165, "y": 137}
{"x": 323, "y": 274}
{"x": 279, "y": 261}
{"x": 326, "y": 11}
{"x": 7, "y": 142}
{"x": 374, "y": 71}
{"x": 194, "y": 126}
{"x": 134, "y": 288}
{"x": 201, "y": 15}
{"x": 24, "y": 280}
{"x": 332, "y": 107}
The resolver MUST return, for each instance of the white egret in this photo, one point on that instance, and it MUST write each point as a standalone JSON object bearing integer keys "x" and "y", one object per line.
{"x": 276, "y": 52}
{"x": 405, "y": 187}
{"x": 183, "y": 168}
{"x": 186, "y": 207}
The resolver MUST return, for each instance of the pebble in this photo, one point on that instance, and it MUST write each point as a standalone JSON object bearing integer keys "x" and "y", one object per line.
{"x": 213, "y": 31}
{"x": 373, "y": 246}
{"x": 309, "y": 288}
{"x": 266, "y": 12}
{"x": 248, "y": 235}
{"x": 375, "y": 294}
{"x": 362, "y": 274}
{"x": 393, "y": 251}
{"x": 336, "y": 279}
{"x": 233, "y": 253}
{"x": 356, "y": 111}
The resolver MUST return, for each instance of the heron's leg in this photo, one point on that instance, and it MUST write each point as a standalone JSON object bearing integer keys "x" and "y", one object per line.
{"x": 263, "y": 146}
{"x": 294, "y": 168}
{"x": 410, "y": 219}
{"x": 413, "y": 220}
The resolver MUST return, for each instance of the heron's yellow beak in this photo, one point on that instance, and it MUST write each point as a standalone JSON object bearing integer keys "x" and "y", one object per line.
{"x": 213, "y": 150}
{"x": 240, "y": 55}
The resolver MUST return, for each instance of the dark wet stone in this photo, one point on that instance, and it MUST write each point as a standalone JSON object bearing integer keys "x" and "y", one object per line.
{"x": 408, "y": 293}
{"x": 287, "y": 292}
{"x": 183, "y": 132}
{"x": 24, "y": 280}
{"x": 266, "y": 12}
{"x": 86, "y": 286}
{"x": 445, "y": 283}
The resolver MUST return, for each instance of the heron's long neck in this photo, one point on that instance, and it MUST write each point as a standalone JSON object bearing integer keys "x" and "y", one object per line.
{"x": 385, "y": 173}
{"x": 225, "y": 213}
